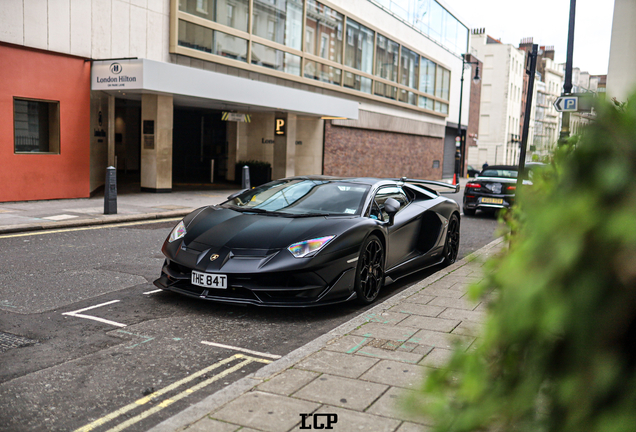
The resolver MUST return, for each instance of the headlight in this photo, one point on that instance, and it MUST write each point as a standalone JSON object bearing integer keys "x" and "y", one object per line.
{"x": 178, "y": 232}
{"x": 304, "y": 248}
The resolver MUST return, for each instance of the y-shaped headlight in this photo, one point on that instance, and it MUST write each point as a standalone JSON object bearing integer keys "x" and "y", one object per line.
{"x": 308, "y": 247}
{"x": 178, "y": 232}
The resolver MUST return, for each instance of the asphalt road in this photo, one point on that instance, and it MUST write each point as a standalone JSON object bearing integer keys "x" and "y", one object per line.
{"x": 85, "y": 336}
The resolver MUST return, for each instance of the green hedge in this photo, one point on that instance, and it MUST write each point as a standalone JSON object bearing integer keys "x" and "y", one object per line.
{"x": 558, "y": 350}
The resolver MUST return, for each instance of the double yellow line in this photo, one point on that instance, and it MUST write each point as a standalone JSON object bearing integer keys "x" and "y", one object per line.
{"x": 169, "y": 401}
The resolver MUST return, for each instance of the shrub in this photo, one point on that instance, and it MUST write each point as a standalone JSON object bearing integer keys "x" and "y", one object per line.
{"x": 558, "y": 349}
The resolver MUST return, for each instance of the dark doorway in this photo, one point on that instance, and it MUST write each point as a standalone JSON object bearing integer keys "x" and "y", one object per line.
{"x": 127, "y": 143}
{"x": 199, "y": 145}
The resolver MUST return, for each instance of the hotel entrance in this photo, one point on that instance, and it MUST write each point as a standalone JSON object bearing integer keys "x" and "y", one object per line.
{"x": 199, "y": 149}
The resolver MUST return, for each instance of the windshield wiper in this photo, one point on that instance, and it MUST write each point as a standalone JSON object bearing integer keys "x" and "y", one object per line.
{"x": 257, "y": 211}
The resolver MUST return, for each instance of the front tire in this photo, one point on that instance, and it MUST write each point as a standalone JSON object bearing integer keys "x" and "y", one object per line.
{"x": 451, "y": 248}
{"x": 370, "y": 270}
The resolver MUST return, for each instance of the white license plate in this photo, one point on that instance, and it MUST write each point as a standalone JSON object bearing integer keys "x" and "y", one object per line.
{"x": 209, "y": 280}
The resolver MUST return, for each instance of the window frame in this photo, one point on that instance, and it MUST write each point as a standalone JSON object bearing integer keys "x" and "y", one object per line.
{"x": 54, "y": 132}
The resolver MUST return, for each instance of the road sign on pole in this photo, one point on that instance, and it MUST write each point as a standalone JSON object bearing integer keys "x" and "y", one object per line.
{"x": 567, "y": 104}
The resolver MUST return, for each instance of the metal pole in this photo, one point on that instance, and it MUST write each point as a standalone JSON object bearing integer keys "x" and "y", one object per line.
{"x": 458, "y": 138}
{"x": 567, "y": 85}
{"x": 526, "y": 121}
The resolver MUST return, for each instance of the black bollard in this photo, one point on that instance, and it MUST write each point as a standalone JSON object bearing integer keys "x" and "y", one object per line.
{"x": 245, "y": 184}
{"x": 110, "y": 191}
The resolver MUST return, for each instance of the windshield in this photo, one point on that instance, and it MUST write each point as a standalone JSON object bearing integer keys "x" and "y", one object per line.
{"x": 302, "y": 197}
{"x": 505, "y": 173}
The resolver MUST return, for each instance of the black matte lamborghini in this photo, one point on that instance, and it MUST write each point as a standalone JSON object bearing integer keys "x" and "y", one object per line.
{"x": 307, "y": 241}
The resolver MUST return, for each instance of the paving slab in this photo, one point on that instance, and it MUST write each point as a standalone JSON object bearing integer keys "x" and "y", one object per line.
{"x": 392, "y": 404}
{"x": 335, "y": 363}
{"x": 206, "y": 424}
{"x": 441, "y": 340}
{"x": 288, "y": 382}
{"x": 349, "y": 420}
{"x": 343, "y": 392}
{"x": 437, "y": 358}
{"x": 419, "y": 309}
{"x": 386, "y": 331}
{"x": 395, "y": 373}
{"x": 429, "y": 323}
{"x": 265, "y": 411}
{"x": 379, "y": 353}
{"x": 348, "y": 344}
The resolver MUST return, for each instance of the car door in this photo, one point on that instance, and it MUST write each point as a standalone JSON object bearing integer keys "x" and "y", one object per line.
{"x": 403, "y": 234}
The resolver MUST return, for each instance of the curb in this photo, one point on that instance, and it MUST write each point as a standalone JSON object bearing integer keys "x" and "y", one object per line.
{"x": 216, "y": 400}
{"x": 106, "y": 220}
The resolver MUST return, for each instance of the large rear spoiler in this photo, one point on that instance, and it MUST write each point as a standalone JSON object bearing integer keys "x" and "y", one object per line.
{"x": 431, "y": 185}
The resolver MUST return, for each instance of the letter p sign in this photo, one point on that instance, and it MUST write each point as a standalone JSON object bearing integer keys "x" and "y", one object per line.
{"x": 280, "y": 126}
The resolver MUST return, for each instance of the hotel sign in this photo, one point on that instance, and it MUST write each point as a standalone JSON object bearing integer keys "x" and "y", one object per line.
{"x": 117, "y": 75}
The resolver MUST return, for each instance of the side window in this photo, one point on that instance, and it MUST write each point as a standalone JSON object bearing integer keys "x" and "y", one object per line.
{"x": 389, "y": 192}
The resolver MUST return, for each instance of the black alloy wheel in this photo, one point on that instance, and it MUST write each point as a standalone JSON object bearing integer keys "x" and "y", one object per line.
{"x": 451, "y": 249}
{"x": 370, "y": 270}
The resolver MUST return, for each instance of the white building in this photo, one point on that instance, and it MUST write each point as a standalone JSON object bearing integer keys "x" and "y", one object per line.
{"x": 501, "y": 95}
{"x": 621, "y": 79}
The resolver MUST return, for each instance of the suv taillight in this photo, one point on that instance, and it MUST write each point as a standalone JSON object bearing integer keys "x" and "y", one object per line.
{"x": 473, "y": 185}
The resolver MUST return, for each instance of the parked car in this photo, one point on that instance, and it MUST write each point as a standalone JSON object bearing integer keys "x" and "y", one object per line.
{"x": 472, "y": 172}
{"x": 492, "y": 190}
{"x": 305, "y": 241}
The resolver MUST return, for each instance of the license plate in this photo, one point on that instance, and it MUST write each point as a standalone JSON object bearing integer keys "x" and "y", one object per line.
{"x": 492, "y": 200}
{"x": 209, "y": 280}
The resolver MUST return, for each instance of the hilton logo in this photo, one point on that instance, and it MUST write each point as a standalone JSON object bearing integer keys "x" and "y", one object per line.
{"x": 115, "y": 68}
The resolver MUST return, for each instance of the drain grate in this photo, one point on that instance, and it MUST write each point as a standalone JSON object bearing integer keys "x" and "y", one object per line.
{"x": 8, "y": 341}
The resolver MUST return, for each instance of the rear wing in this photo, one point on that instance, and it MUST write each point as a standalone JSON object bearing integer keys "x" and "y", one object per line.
{"x": 436, "y": 187}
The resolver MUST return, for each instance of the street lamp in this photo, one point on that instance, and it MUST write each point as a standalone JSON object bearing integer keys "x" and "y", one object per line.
{"x": 458, "y": 138}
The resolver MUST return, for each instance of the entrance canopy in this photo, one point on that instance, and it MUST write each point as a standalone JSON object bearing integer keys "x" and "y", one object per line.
{"x": 148, "y": 76}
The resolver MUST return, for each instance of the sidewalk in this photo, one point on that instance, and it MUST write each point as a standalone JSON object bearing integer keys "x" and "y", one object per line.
{"x": 358, "y": 371}
{"x": 131, "y": 206}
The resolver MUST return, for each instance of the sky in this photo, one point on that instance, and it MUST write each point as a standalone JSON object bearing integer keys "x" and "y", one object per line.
{"x": 546, "y": 21}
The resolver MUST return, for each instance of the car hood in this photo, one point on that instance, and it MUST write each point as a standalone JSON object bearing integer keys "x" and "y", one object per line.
{"x": 219, "y": 227}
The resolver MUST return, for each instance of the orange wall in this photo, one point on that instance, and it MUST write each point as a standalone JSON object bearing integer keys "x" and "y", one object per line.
{"x": 49, "y": 76}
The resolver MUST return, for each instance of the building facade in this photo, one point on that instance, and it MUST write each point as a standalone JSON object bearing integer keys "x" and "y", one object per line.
{"x": 180, "y": 91}
{"x": 501, "y": 96}
{"x": 621, "y": 80}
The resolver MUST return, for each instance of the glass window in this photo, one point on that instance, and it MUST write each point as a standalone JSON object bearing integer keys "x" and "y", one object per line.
{"x": 442, "y": 83}
{"x": 279, "y": 21}
{"x": 230, "y": 46}
{"x": 359, "y": 50}
{"x": 426, "y": 103}
{"x": 427, "y": 76}
{"x": 303, "y": 197}
{"x": 408, "y": 97}
{"x": 195, "y": 37}
{"x": 409, "y": 68}
{"x": 232, "y": 13}
{"x": 324, "y": 31}
{"x": 386, "y": 58}
{"x": 211, "y": 41}
{"x": 36, "y": 126}
{"x": 275, "y": 59}
{"x": 321, "y": 72}
{"x": 357, "y": 82}
{"x": 385, "y": 90}
{"x": 441, "y": 107}
{"x": 390, "y": 192}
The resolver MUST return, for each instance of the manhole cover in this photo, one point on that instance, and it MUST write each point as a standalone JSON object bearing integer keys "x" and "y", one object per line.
{"x": 8, "y": 341}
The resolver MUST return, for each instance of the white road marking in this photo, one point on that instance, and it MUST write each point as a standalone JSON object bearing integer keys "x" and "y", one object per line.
{"x": 153, "y": 291}
{"x": 262, "y": 354}
{"x": 352, "y": 260}
{"x": 78, "y": 314}
{"x": 60, "y": 217}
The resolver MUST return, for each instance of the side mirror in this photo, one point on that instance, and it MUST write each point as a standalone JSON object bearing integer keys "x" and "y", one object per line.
{"x": 235, "y": 194}
{"x": 391, "y": 206}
